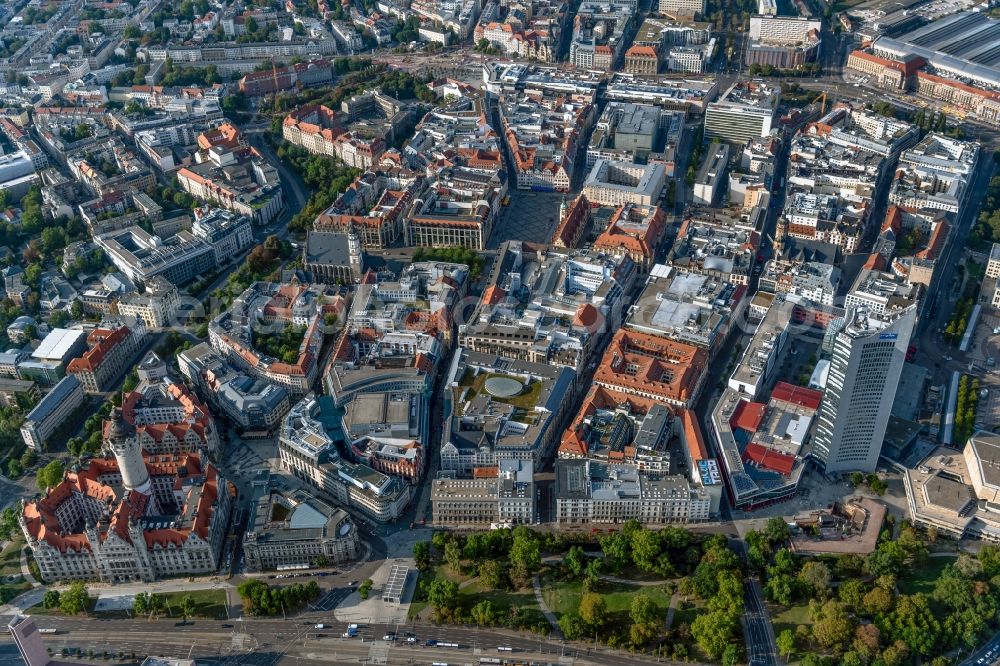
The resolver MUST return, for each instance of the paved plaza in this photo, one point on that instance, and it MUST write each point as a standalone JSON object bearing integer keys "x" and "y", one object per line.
{"x": 530, "y": 216}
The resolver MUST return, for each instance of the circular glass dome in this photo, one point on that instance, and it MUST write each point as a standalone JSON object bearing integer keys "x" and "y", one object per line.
{"x": 503, "y": 387}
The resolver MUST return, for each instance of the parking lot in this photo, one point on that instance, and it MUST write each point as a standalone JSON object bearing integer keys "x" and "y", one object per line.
{"x": 530, "y": 216}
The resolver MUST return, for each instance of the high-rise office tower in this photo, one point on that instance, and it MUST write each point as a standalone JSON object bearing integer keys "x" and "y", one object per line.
{"x": 867, "y": 360}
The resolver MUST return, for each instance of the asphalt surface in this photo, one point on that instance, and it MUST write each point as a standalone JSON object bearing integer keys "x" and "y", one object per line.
{"x": 260, "y": 641}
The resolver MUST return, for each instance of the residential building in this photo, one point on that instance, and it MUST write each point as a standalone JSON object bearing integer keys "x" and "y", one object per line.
{"x": 155, "y": 306}
{"x": 110, "y": 355}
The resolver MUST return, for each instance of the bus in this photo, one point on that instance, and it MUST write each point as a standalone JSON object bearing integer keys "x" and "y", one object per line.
{"x": 48, "y": 631}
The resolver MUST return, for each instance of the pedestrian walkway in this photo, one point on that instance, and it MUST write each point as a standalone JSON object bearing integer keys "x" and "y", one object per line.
{"x": 626, "y": 581}
{"x": 671, "y": 609}
{"x": 25, "y": 570}
{"x": 549, "y": 615}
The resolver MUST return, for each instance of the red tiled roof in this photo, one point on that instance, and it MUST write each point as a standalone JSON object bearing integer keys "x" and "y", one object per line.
{"x": 102, "y": 341}
{"x": 774, "y": 461}
{"x": 936, "y": 242}
{"x": 641, "y": 52}
{"x": 692, "y": 433}
{"x": 748, "y": 416}
{"x": 797, "y": 395}
{"x": 875, "y": 262}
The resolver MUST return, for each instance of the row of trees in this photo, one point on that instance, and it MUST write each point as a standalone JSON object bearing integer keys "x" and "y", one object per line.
{"x": 261, "y": 599}
{"x": 808, "y": 69}
{"x": 72, "y": 601}
{"x": 718, "y": 579}
{"x": 458, "y": 255}
{"x": 325, "y": 176}
{"x": 955, "y": 329}
{"x": 965, "y": 409}
{"x": 875, "y": 484}
{"x": 987, "y": 227}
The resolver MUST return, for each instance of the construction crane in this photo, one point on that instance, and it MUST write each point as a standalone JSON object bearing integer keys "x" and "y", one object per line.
{"x": 822, "y": 106}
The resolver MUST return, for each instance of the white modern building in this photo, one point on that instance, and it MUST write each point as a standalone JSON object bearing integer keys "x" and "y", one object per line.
{"x": 682, "y": 7}
{"x": 868, "y": 355}
{"x": 746, "y": 111}
{"x": 613, "y": 183}
{"x": 53, "y": 410}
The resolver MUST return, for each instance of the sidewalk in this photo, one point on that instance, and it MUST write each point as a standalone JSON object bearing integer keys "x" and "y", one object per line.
{"x": 549, "y": 615}
{"x": 25, "y": 571}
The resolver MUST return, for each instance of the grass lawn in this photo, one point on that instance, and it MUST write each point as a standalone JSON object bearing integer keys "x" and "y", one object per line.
{"x": 41, "y": 610}
{"x": 12, "y": 583}
{"x": 472, "y": 593}
{"x": 416, "y": 608}
{"x": 10, "y": 558}
{"x": 527, "y": 399}
{"x": 790, "y": 617}
{"x": 209, "y": 604}
{"x": 502, "y": 600}
{"x": 687, "y": 615}
{"x": 10, "y": 590}
{"x": 921, "y": 578}
{"x": 564, "y": 596}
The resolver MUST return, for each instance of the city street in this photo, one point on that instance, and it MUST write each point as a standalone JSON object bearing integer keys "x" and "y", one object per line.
{"x": 278, "y": 641}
